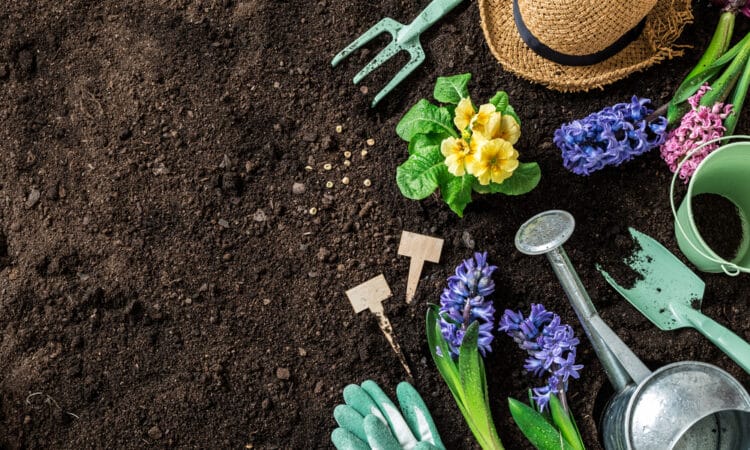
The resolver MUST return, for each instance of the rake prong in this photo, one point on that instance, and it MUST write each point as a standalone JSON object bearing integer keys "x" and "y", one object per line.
{"x": 387, "y": 53}
{"x": 417, "y": 57}
{"x": 386, "y": 25}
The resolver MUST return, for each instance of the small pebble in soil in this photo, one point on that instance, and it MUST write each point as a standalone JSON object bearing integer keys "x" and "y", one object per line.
{"x": 364, "y": 89}
{"x": 301, "y": 351}
{"x": 367, "y": 182}
{"x": 339, "y": 129}
{"x": 329, "y": 184}
{"x": 318, "y": 387}
{"x": 313, "y": 211}
{"x": 363, "y": 153}
{"x": 223, "y": 223}
{"x": 327, "y": 166}
{"x": 347, "y": 163}
{"x": 467, "y": 240}
{"x": 298, "y": 188}
{"x": 260, "y": 216}
{"x": 323, "y": 254}
{"x": 154, "y": 433}
{"x": 33, "y": 198}
{"x": 266, "y": 301}
{"x": 345, "y": 180}
{"x": 371, "y": 142}
{"x": 276, "y": 84}
{"x": 347, "y": 154}
{"x": 282, "y": 373}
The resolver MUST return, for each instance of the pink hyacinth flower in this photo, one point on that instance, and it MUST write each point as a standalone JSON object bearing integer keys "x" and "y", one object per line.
{"x": 699, "y": 125}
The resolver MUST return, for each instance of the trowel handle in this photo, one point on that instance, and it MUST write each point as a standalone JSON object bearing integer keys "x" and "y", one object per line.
{"x": 734, "y": 346}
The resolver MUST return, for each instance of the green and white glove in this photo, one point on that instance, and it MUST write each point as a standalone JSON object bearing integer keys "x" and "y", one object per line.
{"x": 370, "y": 421}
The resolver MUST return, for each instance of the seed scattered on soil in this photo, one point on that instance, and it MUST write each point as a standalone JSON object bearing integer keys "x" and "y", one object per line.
{"x": 313, "y": 211}
{"x": 347, "y": 163}
{"x": 371, "y": 142}
{"x": 345, "y": 180}
{"x": 282, "y": 373}
{"x": 339, "y": 129}
{"x": 308, "y": 168}
{"x": 276, "y": 84}
{"x": 367, "y": 182}
{"x": 347, "y": 154}
{"x": 327, "y": 166}
{"x": 329, "y": 184}
{"x": 363, "y": 153}
{"x": 298, "y": 188}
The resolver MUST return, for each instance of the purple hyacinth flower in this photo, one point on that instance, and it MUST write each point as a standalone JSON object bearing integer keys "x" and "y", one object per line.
{"x": 464, "y": 302}
{"x": 609, "y": 137}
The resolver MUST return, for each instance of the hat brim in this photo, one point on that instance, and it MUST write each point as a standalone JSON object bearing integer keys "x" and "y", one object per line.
{"x": 664, "y": 24}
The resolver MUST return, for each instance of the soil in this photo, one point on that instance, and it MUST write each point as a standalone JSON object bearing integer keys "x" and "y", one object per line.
{"x": 162, "y": 283}
{"x": 719, "y": 224}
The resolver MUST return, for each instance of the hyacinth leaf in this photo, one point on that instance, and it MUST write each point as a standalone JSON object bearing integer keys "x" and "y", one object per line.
{"x": 425, "y": 144}
{"x": 535, "y": 427}
{"x": 418, "y": 176}
{"x": 456, "y": 191}
{"x": 424, "y": 118}
{"x": 738, "y": 99}
{"x": 525, "y": 178}
{"x": 448, "y": 370}
{"x": 564, "y": 423}
{"x": 500, "y": 100}
{"x": 719, "y": 42}
{"x": 722, "y": 87}
{"x": 452, "y": 89}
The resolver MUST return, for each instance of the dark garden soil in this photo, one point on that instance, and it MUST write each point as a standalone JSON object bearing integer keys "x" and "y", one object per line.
{"x": 162, "y": 283}
{"x": 719, "y": 224}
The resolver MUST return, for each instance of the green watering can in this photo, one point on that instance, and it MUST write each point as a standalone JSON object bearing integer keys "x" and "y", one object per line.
{"x": 670, "y": 295}
{"x": 405, "y": 37}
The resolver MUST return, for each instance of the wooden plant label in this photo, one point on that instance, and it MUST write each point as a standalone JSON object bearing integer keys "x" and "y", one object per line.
{"x": 370, "y": 295}
{"x": 419, "y": 248}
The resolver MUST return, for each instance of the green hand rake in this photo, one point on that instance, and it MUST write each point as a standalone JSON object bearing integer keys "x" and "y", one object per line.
{"x": 405, "y": 37}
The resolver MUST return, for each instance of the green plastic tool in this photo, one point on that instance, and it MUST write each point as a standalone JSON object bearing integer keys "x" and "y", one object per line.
{"x": 670, "y": 295}
{"x": 405, "y": 37}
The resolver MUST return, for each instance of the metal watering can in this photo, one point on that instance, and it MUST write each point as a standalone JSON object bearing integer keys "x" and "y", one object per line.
{"x": 683, "y": 405}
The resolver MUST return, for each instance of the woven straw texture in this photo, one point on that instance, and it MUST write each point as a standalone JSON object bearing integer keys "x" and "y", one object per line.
{"x": 593, "y": 22}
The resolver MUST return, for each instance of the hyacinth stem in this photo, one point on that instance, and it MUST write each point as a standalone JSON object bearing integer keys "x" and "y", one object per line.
{"x": 738, "y": 99}
{"x": 467, "y": 313}
{"x": 564, "y": 400}
{"x": 722, "y": 87}
{"x": 719, "y": 42}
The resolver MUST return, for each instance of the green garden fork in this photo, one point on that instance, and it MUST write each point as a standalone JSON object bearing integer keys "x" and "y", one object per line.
{"x": 405, "y": 37}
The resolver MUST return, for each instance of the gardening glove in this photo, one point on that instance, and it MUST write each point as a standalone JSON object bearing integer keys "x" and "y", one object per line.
{"x": 370, "y": 421}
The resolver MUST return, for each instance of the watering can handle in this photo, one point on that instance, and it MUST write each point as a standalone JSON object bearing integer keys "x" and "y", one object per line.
{"x": 431, "y": 14}
{"x": 734, "y": 346}
{"x": 728, "y": 268}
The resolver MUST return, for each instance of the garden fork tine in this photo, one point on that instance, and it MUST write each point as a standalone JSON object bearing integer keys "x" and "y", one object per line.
{"x": 405, "y": 37}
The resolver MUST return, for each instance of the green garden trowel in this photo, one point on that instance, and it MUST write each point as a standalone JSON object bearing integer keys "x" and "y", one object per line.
{"x": 670, "y": 295}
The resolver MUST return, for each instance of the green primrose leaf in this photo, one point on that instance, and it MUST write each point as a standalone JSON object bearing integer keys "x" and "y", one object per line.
{"x": 424, "y": 118}
{"x": 564, "y": 423}
{"x": 512, "y": 112}
{"x": 535, "y": 427}
{"x": 425, "y": 144}
{"x": 452, "y": 89}
{"x": 524, "y": 179}
{"x": 500, "y": 100}
{"x": 417, "y": 177}
{"x": 456, "y": 191}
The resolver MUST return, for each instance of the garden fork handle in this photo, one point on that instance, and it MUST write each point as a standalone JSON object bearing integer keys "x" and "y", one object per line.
{"x": 431, "y": 14}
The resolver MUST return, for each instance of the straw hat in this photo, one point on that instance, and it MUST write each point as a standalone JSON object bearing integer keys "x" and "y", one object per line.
{"x": 582, "y": 44}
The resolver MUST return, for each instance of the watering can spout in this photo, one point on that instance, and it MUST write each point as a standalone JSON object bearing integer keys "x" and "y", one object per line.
{"x": 544, "y": 234}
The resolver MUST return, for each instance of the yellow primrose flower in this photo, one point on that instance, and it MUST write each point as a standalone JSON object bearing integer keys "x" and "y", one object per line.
{"x": 486, "y": 126}
{"x": 458, "y": 153}
{"x": 509, "y": 129}
{"x": 494, "y": 161}
{"x": 464, "y": 113}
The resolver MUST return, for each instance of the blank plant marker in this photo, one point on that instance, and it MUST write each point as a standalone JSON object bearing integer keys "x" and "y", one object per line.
{"x": 370, "y": 295}
{"x": 419, "y": 248}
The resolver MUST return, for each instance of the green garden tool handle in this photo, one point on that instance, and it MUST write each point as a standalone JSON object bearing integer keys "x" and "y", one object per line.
{"x": 431, "y": 14}
{"x": 734, "y": 346}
